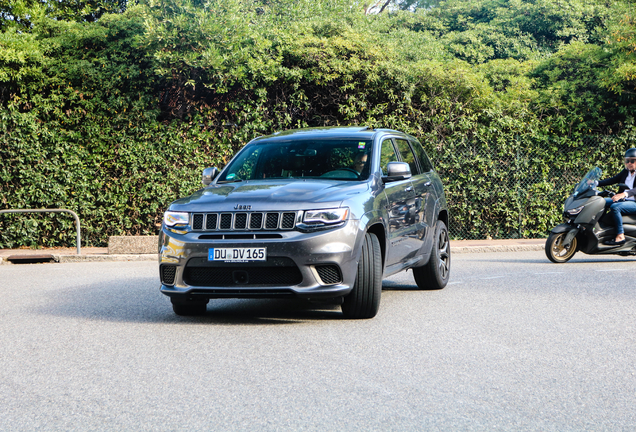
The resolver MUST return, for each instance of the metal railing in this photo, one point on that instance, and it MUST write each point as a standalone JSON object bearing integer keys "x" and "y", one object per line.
{"x": 77, "y": 221}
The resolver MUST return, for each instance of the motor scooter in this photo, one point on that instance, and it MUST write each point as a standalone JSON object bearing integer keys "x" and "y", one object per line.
{"x": 588, "y": 224}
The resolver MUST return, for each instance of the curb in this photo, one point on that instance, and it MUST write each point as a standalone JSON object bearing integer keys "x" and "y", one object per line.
{"x": 125, "y": 245}
{"x": 155, "y": 257}
{"x": 105, "y": 258}
{"x": 496, "y": 248}
{"x": 95, "y": 258}
{"x": 143, "y": 248}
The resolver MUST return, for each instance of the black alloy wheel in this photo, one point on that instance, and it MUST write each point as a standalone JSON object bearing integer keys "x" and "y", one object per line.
{"x": 434, "y": 275}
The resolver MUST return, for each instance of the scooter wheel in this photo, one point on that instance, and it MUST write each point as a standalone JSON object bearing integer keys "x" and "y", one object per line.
{"x": 556, "y": 252}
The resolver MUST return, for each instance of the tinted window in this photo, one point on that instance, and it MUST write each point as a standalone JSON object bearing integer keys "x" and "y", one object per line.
{"x": 425, "y": 162}
{"x": 407, "y": 154}
{"x": 387, "y": 155}
{"x": 334, "y": 159}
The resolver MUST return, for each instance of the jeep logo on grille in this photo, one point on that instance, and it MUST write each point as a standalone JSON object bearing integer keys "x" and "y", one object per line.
{"x": 242, "y": 207}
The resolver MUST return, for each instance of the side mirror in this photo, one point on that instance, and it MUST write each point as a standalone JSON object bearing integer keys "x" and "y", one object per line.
{"x": 209, "y": 174}
{"x": 397, "y": 171}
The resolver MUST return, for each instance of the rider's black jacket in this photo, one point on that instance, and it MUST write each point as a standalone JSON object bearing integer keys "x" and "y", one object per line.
{"x": 618, "y": 178}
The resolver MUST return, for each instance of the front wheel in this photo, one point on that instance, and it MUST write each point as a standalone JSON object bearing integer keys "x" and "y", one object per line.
{"x": 364, "y": 299}
{"x": 434, "y": 274}
{"x": 556, "y": 251}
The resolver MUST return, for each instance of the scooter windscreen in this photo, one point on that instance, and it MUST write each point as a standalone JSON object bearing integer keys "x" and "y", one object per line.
{"x": 590, "y": 181}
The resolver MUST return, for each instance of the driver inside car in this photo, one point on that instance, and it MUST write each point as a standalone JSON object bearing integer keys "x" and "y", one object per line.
{"x": 622, "y": 203}
{"x": 360, "y": 162}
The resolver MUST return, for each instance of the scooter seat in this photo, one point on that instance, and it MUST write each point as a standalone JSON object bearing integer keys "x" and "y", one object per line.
{"x": 629, "y": 219}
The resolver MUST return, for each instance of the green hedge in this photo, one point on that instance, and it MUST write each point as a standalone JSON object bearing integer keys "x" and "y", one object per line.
{"x": 516, "y": 188}
{"x": 117, "y": 117}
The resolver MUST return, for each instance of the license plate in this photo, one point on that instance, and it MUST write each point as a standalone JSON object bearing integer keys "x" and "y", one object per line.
{"x": 237, "y": 254}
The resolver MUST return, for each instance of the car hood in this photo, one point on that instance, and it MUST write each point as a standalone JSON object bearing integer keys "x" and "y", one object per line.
{"x": 265, "y": 195}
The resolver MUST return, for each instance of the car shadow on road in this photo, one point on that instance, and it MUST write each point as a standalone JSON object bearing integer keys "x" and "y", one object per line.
{"x": 388, "y": 285}
{"x": 139, "y": 300}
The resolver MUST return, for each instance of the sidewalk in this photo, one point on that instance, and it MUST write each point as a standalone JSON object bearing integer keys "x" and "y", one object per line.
{"x": 94, "y": 254}
{"x": 510, "y": 245}
{"x": 68, "y": 255}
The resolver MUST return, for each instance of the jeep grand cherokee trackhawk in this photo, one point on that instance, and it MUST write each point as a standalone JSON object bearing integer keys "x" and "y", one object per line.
{"x": 320, "y": 213}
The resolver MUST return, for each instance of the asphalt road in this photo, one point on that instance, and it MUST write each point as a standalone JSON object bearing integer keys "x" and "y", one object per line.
{"x": 513, "y": 343}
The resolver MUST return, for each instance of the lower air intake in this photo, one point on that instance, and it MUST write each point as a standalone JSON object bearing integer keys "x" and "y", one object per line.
{"x": 275, "y": 272}
{"x": 329, "y": 274}
{"x": 168, "y": 273}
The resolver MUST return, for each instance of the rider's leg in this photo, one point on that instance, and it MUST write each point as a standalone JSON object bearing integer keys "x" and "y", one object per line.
{"x": 617, "y": 210}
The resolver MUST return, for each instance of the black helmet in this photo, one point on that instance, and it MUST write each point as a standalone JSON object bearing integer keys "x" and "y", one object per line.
{"x": 630, "y": 153}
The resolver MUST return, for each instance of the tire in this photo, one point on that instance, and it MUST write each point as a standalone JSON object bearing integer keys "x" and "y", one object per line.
{"x": 189, "y": 308}
{"x": 364, "y": 299}
{"x": 555, "y": 251}
{"x": 434, "y": 274}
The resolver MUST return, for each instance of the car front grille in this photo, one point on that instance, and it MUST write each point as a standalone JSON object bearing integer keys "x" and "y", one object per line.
{"x": 241, "y": 221}
{"x": 329, "y": 274}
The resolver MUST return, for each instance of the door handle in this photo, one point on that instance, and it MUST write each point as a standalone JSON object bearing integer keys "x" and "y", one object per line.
{"x": 427, "y": 184}
{"x": 409, "y": 189}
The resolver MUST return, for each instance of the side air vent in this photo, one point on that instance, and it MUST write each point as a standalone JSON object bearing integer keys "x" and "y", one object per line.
{"x": 168, "y": 274}
{"x": 329, "y": 274}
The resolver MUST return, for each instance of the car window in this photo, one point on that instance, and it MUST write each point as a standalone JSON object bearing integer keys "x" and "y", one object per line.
{"x": 244, "y": 167}
{"x": 387, "y": 155}
{"x": 422, "y": 157}
{"x": 333, "y": 159}
{"x": 407, "y": 154}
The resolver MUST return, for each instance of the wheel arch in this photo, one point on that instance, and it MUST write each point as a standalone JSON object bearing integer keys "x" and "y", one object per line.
{"x": 443, "y": 216}
{"x": 380, "y": 232}
{"x": 373, "y": 222}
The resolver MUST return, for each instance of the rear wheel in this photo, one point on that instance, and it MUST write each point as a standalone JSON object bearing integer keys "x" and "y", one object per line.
{"x": 188, "y": 307}
{"x": 434, "y": 274}
{"x": 364, "y": 299}
{"x": 556, "y": 251}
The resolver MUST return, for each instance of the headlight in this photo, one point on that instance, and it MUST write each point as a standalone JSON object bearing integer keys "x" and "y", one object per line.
{"x": 327, "y": 216}
{"x": 575, "y": 211}
{"x": 172, "y": 218}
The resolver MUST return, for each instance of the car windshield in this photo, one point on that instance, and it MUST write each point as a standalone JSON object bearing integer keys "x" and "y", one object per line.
{"x": 317, "y": 159}
{"x": 590, "y": 181}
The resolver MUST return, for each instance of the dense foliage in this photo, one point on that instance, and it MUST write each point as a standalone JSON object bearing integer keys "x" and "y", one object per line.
{"x": 112, "y": 109}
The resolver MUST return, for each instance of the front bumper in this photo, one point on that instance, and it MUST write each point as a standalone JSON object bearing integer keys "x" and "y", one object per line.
{"x": 295, "y": 265}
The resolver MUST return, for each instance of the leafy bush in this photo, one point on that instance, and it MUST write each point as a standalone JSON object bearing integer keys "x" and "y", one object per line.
{"x": 115, "y": 115}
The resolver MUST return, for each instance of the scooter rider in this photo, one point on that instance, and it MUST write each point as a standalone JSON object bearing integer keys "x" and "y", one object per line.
{"x": 622, "y": 203}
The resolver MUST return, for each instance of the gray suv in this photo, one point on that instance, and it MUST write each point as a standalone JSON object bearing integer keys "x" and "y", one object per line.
{"x": 321, "y": 213}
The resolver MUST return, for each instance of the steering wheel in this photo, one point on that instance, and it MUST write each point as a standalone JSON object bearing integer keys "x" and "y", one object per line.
{"x": 348, "y": 170}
